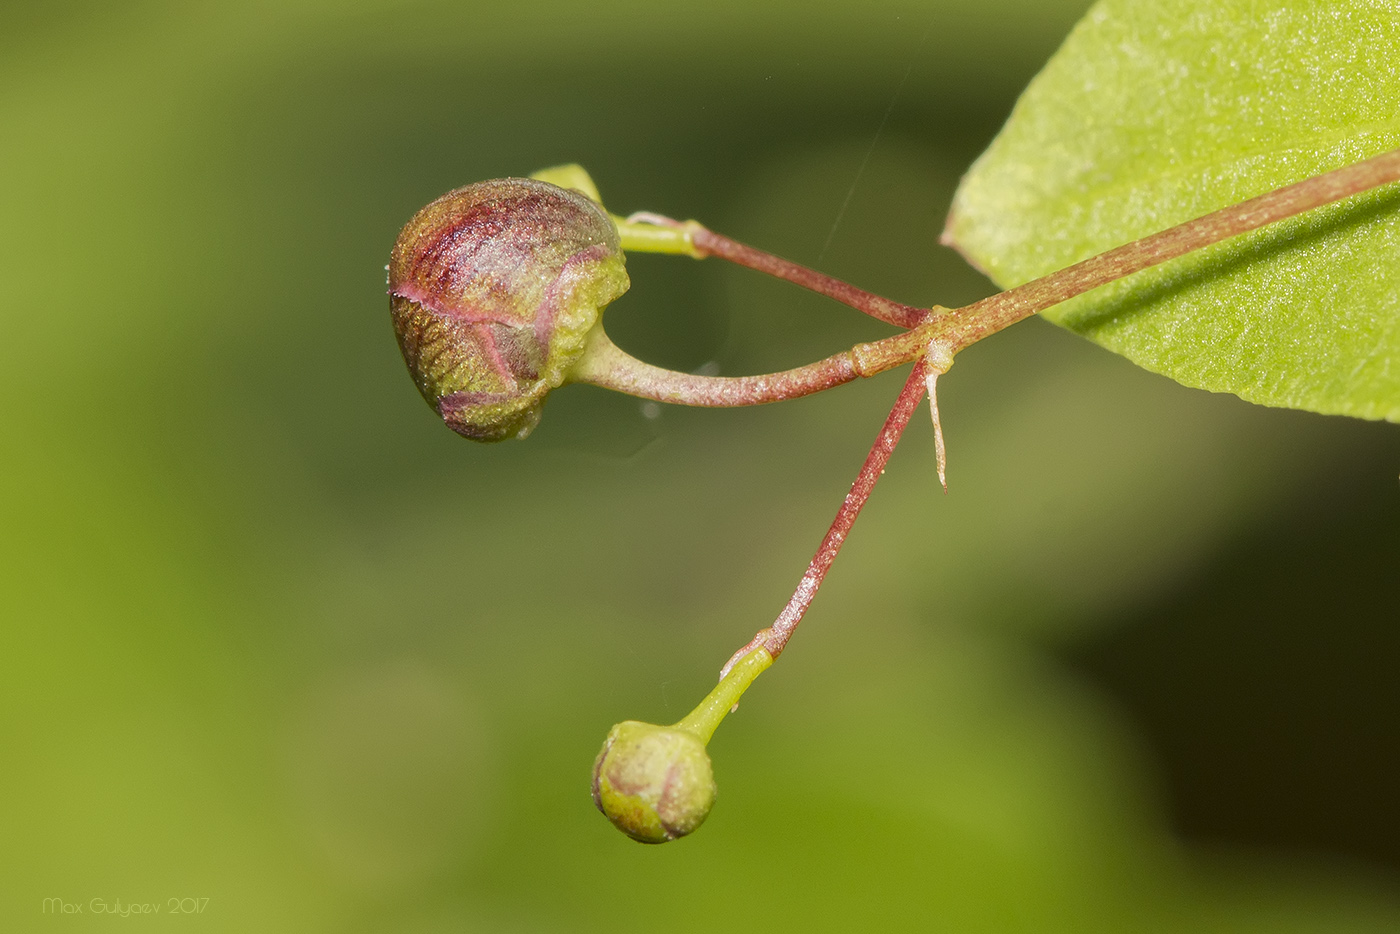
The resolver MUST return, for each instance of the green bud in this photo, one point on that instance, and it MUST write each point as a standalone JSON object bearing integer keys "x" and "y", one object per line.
{"x": 493, "y": 288}
{"x": 653, "y": 782}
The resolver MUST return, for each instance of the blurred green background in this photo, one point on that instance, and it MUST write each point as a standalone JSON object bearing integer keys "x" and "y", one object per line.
{"x": 275, "y": 638}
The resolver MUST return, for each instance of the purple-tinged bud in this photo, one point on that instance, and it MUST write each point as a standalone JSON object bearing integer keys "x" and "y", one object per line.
{"x": 493, "y": 288}
{"x": 653, "y": 782}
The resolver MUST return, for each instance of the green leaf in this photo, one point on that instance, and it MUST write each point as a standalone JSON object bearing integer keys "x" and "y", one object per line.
{"x": 1157, "y": 111}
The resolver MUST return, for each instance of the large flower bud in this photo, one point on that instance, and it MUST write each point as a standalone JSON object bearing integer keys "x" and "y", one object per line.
{"x": 653, "y": 782}
{"x": 493, "y": 288}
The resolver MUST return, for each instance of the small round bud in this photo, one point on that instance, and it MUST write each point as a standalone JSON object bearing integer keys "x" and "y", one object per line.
{"x": 653, "y": 782}
{"x": 493, "y": 288}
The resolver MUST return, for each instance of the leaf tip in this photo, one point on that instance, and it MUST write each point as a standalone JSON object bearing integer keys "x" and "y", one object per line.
{"x": 949, "y": 238}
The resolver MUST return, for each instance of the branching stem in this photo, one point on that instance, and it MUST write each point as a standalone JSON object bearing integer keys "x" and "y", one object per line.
{"x": 943, "y": 335}
{"x": 932, "y": 337}
{"x": 608, "y": 366}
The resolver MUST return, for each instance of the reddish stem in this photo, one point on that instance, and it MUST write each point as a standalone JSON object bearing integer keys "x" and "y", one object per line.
{"x": 969, "y": 324}
{"x": 775, "y": 637}
{"x": 605, "y": 365}
{"x": 884, "y": 309}
{"x": 953, "y": 330}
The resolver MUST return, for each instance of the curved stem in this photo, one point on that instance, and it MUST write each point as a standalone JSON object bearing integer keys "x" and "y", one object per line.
{"x": 609, "y": 366}
{"x": 775, "y": 637}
